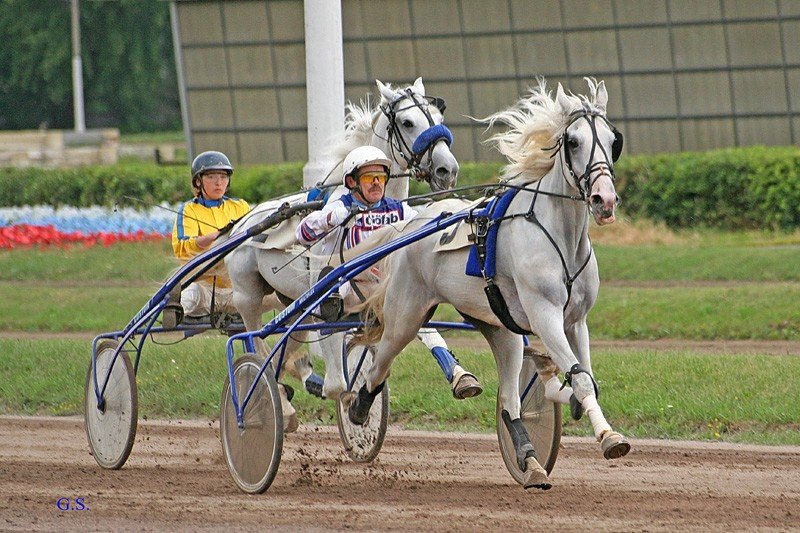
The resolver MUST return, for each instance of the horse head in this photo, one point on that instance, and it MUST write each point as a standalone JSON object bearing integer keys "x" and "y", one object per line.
{"x": 418, "y": 139}
{"x": 590, "y": 145}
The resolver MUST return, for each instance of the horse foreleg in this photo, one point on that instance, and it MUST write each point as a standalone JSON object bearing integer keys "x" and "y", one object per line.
{"x": 549, "y": 325}
{"x": 464, "y": 384}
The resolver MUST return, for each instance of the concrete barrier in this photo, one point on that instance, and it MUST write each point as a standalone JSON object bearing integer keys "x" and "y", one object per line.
{"x": 58, "y": 148}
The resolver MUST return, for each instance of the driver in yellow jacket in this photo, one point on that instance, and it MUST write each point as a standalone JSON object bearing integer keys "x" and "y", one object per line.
{"x": 197, "y": 226}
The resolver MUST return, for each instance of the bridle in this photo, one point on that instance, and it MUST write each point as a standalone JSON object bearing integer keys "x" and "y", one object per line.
{"x": 605, "y": 166}
{"x": 425, "y": 142}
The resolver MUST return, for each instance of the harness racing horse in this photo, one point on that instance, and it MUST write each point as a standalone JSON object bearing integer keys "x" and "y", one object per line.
{"x": 408, "y": 126}
{"x": 561, "y": 154}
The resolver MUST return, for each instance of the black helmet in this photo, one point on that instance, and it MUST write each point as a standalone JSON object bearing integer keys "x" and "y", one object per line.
{"x": 210, "y": 161}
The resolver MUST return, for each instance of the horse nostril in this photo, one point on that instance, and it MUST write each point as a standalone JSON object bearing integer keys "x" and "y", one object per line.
{"x": 596, "y": 199}
{"x": 444, "y": 172}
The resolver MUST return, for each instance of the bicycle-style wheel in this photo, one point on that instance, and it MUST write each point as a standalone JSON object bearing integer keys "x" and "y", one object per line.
{"x": 111, "y": 430}
{"x": 252, "y": 452}
{"x": 541, "y": 418}
{"x": 362, "y": 443}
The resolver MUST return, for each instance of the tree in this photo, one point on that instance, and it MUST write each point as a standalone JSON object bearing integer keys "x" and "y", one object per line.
{"x": 128, "y": 65}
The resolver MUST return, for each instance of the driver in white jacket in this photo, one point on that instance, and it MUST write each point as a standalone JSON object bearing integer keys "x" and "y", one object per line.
{"x": 347, "y": 221}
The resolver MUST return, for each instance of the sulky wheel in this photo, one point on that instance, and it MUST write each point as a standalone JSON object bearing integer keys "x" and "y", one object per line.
{"x": 252, "y": 452}
{"x": 362, "y": 443}
{"x": 541, "y": 418}
{"x": 111, "y": 429}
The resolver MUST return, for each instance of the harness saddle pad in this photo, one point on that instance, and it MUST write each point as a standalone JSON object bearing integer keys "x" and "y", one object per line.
{"x": 495, "y": 210}
{"x": 456, "y": 237}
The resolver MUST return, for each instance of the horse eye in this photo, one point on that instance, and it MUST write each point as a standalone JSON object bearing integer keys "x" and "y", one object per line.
{"x": 407, "y": 124}
{"x": 572, "y": 142}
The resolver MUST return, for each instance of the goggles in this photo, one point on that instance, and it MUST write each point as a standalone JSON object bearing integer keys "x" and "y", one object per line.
{"x": 369, "y": 177}
{"x": 216, "y": 176}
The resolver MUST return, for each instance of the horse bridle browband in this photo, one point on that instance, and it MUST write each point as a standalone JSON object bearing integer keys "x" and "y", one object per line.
{"x": 413, "y": 155}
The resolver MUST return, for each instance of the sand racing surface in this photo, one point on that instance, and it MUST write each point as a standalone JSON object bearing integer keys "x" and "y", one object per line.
{"x": 175, "y": 478}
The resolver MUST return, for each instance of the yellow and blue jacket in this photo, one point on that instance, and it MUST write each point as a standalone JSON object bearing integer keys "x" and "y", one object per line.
{"x": 200, "y": 217}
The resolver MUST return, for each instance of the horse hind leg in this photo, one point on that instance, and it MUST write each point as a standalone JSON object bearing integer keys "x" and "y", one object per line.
{"x": 401, "y": 325}
{"x": 507, "y": 349}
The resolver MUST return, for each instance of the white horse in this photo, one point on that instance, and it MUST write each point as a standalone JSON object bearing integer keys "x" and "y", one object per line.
{"x": 560, "y": 150}
{"x": 408, "y": 126}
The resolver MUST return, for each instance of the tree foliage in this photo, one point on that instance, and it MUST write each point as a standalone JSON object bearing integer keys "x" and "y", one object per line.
{"x": 128, "y": 65}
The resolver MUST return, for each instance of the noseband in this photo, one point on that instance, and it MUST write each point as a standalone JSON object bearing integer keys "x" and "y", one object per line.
{"x": 423, "y": 145}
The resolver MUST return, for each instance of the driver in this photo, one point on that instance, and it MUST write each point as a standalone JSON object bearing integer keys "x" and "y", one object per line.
{"x": 352, "y": 218}
{"x": 197, "y": 225}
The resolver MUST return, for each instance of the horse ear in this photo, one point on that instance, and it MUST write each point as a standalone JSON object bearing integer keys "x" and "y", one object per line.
{"x": 563, "y": 100}
{"x": 418, "y": 85}
{"x": 386, "y": 92}
{"x": 602, "y": 96}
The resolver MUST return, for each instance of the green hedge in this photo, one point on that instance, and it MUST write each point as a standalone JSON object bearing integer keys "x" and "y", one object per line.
{"x": 755, "y": 187}
{"x": 106, "y": 185}
{"x": 738, "y": 188}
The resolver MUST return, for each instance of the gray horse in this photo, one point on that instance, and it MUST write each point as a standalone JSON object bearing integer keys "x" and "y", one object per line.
{"x": 561, "y": 154}
{"x": 407, "y": 125}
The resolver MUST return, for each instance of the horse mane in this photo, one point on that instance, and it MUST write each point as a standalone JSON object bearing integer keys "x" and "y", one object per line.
{"x": 535, "y": 126}
{"x": 358, "y": 123}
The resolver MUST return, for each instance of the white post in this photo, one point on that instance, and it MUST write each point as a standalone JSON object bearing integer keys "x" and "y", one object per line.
{"x": 324, "y": 82}
{"x": 77, "y": 70}
{"x": 176, "y": 46}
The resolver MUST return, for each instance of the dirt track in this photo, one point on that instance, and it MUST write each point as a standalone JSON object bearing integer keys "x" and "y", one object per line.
{"x": 176, "y": 479}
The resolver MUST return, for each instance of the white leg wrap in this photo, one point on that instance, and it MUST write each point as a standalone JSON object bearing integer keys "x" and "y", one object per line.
{"x": 194, "y": 300}
{"x": 552, "y": 392}
{"x": 596, "y": 416}
{"x": 431, "y": 338}
{"x": 458, "y": 372}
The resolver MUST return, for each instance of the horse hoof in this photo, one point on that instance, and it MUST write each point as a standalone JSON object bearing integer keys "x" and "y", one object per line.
{"x": 575, "y": 408}
{"x": 467, "y": 387}
{"x": 535, "y": 476}
{"x": 615, "y": 446}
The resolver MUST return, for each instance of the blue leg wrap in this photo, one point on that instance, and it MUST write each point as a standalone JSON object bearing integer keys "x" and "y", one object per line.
{"x": 445, "y": 360}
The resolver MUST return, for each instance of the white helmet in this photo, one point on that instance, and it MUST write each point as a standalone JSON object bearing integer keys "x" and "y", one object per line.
{"x": 361, "y": 157}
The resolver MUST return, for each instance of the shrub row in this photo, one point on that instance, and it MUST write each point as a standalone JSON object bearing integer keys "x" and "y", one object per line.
{"x": 738, "y": 188}
{"x": 755, "y": 187}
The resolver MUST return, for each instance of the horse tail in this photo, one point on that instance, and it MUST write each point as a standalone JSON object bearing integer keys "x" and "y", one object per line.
{"x": 372, "y": 308}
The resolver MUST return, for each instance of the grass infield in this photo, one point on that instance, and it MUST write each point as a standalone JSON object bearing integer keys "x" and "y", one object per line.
{"x": 701, "y": 285}
{"x": 676, "y": 394}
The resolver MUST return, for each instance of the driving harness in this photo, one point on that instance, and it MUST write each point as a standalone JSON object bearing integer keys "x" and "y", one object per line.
{"x": 486, "y": 220}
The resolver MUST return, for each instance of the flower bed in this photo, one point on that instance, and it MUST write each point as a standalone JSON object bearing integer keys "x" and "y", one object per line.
{"x": 64, "y": 226}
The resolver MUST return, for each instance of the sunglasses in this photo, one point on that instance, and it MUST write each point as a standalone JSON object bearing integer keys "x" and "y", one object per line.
{"x": 368, "y": 177}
